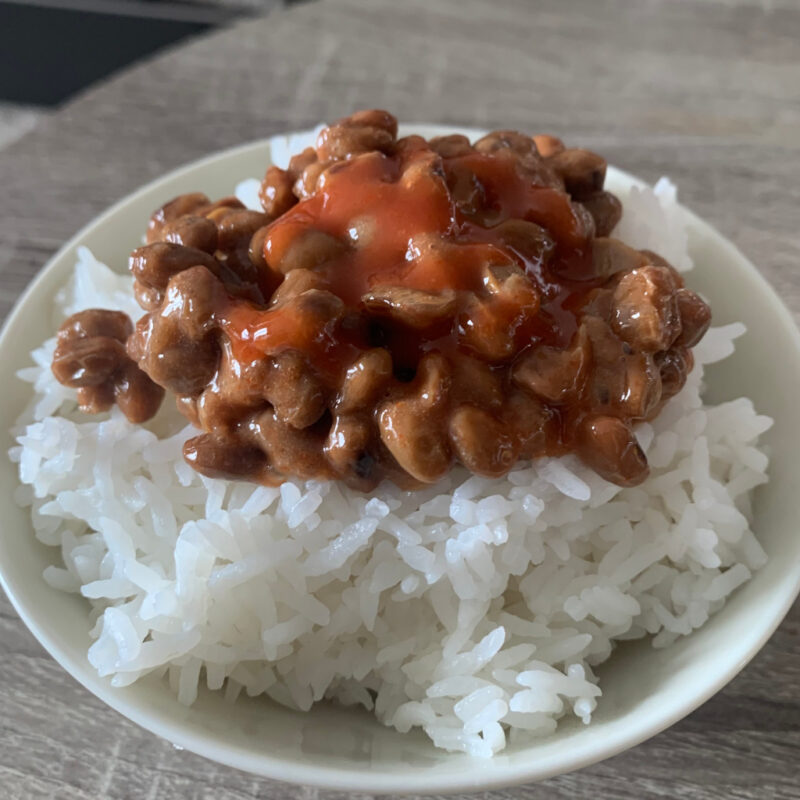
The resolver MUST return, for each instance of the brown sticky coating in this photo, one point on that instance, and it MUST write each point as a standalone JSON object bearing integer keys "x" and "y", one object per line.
{"x": 608, "y": 446}
{"x": 400, "y": 306}
{"x": 90, "y": 356}
{"x": 582, "y": 171}
{"x": 481, "y": 442}
{"x": 556, "y": 375}
{"x": 605, "y": 209}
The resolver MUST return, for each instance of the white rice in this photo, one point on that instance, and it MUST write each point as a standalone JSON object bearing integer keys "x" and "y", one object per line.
{"x": 475, "y": 609}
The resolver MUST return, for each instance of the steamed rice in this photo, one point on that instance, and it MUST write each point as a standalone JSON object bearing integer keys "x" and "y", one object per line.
{"x": 475, "y": 609}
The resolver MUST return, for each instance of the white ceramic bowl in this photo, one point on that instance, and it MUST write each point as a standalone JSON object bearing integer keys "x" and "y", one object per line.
{"x": 644, "y": 690}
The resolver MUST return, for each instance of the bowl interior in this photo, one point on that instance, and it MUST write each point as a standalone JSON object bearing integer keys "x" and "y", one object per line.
{"x": 644, "y": 690}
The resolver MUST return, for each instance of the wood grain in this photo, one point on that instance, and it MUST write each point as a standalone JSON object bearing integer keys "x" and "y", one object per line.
{"x": 708, "y": 92}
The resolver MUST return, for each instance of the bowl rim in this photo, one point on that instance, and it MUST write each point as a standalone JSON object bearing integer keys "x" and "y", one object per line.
{"x": 340, "y": 778}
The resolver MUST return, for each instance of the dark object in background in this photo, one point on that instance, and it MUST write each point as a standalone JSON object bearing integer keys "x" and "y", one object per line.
{"x": 53, "y": 48}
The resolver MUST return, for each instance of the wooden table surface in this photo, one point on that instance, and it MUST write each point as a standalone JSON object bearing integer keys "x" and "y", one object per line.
{"x": 708, "y": 92}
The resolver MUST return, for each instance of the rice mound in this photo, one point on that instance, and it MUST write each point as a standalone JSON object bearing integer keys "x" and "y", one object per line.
{"x": 475, "y": 609}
